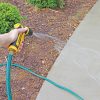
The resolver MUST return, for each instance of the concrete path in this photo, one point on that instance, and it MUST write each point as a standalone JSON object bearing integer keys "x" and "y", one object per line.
{"x": 78, "y": 66}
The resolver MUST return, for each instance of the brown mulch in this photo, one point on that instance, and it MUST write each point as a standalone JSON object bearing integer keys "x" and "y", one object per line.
{"x": 39, "y": 54}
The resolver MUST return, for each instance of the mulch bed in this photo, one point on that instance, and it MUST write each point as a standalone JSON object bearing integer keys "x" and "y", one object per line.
{"x": 54, "y": 28}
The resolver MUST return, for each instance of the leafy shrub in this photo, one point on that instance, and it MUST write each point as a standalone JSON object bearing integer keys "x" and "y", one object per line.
{"x": 61, "y": 3}
{"x": 9, "y": 15}
{"x": 47, "y": 3}
{"x": 52, "y": 3}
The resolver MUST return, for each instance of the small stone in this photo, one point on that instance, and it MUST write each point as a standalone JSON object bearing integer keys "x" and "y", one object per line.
{"x": 41, "y": 67}
{"x": 46, "y": 69}
{"x": 28, "y": 43}
{"x": 42, "y": 75}
{"x": 43, "y": 61}
{"x": 23, "y": 88}
{"x": 70, "y": 35}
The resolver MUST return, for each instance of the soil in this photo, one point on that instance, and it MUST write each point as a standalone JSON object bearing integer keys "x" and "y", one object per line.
{"x": 54, "y": 28}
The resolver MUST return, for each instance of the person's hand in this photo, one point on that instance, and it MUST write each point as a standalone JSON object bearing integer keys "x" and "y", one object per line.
{"x": 13, "y": 34}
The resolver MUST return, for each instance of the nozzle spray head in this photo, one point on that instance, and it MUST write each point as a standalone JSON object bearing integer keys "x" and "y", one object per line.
{"x": 15, "y": 46}
{"x": 29, "y": 32}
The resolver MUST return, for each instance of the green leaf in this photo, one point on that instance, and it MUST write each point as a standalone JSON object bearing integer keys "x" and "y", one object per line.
{"x": 9, "y": 15}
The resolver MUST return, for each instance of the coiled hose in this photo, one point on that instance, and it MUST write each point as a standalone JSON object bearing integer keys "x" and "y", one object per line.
{"x": 8, "y": 84}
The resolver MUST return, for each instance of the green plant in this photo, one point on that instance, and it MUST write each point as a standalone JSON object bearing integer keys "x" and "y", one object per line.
{"x": 61, "y": 3}
{"x": 52, "y": 3}
{"x": 9, "y": 15}
{"x": 41, "y": 3}
{"x": 47, "y": 3}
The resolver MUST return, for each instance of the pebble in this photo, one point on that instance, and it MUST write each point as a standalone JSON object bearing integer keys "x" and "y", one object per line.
{"x": 23, "y": 88}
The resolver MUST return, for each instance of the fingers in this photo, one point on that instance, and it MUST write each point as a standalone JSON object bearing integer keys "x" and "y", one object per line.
{"x": 22, "y": 30}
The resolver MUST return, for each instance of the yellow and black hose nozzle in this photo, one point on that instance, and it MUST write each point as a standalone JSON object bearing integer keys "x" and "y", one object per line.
{"x": 15, "y": 46}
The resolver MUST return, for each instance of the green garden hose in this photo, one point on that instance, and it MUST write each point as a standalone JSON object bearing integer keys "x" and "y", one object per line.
{"x": 8, "y": 78}
{"x": 8, "y": 86}
{"x": 50, "y": 81}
